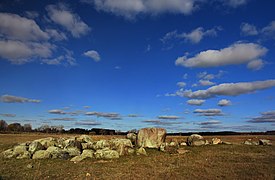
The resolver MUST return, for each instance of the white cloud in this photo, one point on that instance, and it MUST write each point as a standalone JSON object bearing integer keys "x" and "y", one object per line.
{"x": 205, "y": 83}
{"x": 181, "y": 84}
{"x": 224, "y": 102}
{"x": 266, "y": 117}
{"x": 131, "y": 8}
{"x": 269, "y": 31}
{"x": 56, "y": 111}
{"x": 197, "y": 102}
{"x": 65, "y": 59}
{"x": 16, "y": 27}
{"x": 238, "y": 53}
{"x": 18, "y": 52}
{"x": 168, "y": 117}
{"x": 16, "y": 99}
{"x": 210, "y": 122}
{"x": 208, "y": 112}
{"x": 32, "y": 14}
{"x": 255, "y": 65}
{"x": 249, "y": 29}
{"x": 56, "y": 35}
{"x": 195, "y": 36}
{"x": 92, "y": 54}
{"x": 62, "y": 15}
{"x": 228, "y": 89}
{"x": 235, "y": 3}
{"x": 206, "y": 76}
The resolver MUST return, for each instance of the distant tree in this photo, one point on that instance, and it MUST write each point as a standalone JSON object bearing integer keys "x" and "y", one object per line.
{"x": 44, "y": 128}
{"x": 15, "y": 127}
{"x": 3, "y": 125}
{"x": 59, "y": 128}
{"x": 133, "y": 131}
{"x": 27, "y": 127}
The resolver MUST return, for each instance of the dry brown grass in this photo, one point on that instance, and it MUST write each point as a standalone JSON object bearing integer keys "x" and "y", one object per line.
{"x": 208, "y": 162}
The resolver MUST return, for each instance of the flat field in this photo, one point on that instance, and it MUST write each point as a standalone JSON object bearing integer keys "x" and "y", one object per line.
{"x": 235, "y": 161}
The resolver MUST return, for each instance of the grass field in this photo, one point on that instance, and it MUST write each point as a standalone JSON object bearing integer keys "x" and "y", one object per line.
{"x": 208, "y": 162}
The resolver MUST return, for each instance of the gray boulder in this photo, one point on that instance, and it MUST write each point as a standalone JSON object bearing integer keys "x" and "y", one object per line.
{"x": 265, "y": 142}
{"x": 20, "y": 150}
{"x": 73, "y": 151}
{"x": 132, "y": 137}
{"x": 195, "y": 140}
{"x": 121, "y": 145}
{"x": 58, "y": 153}
{"x": 25, "y": 155}
{"x": 35, "y": 146}
{"x": 151, "y": 137}
{"x": 8, "y": 154}
{"x": 47, "y": 142}
{"x": 41, "y": 154}
{"x": 87, "y": 153}
{"x": 101, "y": 144}
{"x": 106, "y": 153}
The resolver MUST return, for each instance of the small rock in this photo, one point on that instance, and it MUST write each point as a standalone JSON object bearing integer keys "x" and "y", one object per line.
{"x": 141, "y": 151}
{"x": 35, "y": 146}
{"x": 265, "y": 142}
{"x": 183, "y": 144}
{"x": 195, "y": 140}
{"x": 29, "y": 166}
{"x": 173, "y": 144}
{"x": 87, "y": 153}
{"x": 247, "y": 143}
{"x": 8, "y": 154}
{"x": 77, "y": 158}
{"x": 216, "y": 141}
{"x": 227, "y": 143}
{"x": 106, "y": 153}
{"x": 182, "y": 151}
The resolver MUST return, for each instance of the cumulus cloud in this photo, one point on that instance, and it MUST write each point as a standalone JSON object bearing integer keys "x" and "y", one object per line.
{"x": 131, "y": 8}
{"x": 248, "y": 29}
{"x": 64, "y": 59}
{"x": 8, "y": 115}
{"x": 210, "y": 122}
{"x": 16, "y": 27}
{"x": 266, "y": 117}
{"x": 237, "y": 53}
{"x": 196, "y": 102}
{"x": 207, "y": 76}
{"x": 209, "y": 112}
{"x": 88, "y": 123}
{"x": 62, "y": 119}
{"x": 168, "y": 117}
{"x": 181, "y": 84}
{"x": 195, "y": 36}
{"x": 255, "y": 65}
{"x": 158, "y": 122}
{"x": 93, "y": 55}
{"x": 235, "y": 3}
{"x": 224, "y": 102}
{"x": 228, "y": 89}
{"x": 18, "y": 52}
{"x": 63, "y": 16}
{"x": 56, "y": 111}
{"x": 16, "y": 99}
{"x": 112, "y": 116}
{"x": 267, "y": 32}
{"x": 205, "y": 83}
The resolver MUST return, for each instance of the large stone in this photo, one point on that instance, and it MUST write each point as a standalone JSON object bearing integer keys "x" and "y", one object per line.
{"x": 25, "y": 155}
{"x": 8, "y": 153}
{"x": 132, "y": 137}
{"x": 35, "y": 146}
{"x": 73, "y": 151}
{"x": 85, "y": 139}
{"x": 87, "y": 145}
{"x": 106, "y": 153}
{"x": 72, "y": 142}
{"x": 151, "y": 137}
{"x": 20, "y": 150}
{"x": 265, "y": 142}
{"x": 87, "y": 153}
{"x": 41, "y": 154}
{"x": 195, "y": 140}
{"x": 121, "y": 145}
{"x": 101, "y": 144}
{"x": 57, "y": 152}
{"x": 216, "y": 141}
{"x": 47, "y": 142}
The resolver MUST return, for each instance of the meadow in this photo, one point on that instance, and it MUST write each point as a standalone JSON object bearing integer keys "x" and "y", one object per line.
{"x": 236, "y": 161}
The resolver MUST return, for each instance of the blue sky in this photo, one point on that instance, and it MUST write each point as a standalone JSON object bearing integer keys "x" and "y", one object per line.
{"x": 185, "y": 65}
